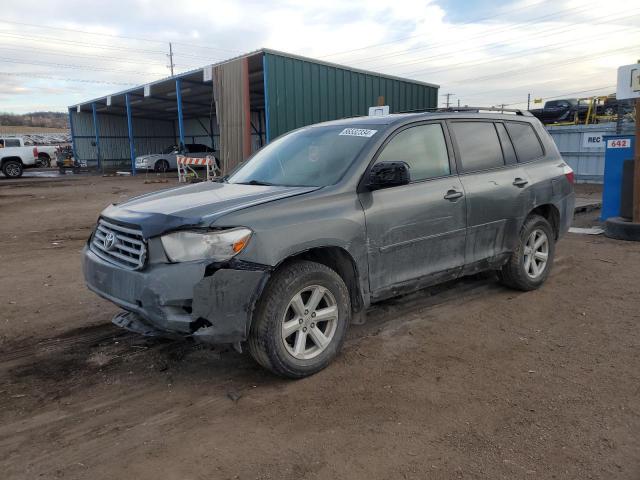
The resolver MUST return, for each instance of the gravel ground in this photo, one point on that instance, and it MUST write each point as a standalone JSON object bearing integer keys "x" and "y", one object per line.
{"x": 465, "y": 380}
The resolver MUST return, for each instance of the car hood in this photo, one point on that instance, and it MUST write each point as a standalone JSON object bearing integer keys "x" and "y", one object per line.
{"x": 197, "y": 205}
{"x": 147, "y": 157}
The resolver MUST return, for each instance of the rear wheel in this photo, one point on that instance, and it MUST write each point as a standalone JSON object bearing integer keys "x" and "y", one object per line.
{"x": 12, "y": 169}
{"x": 44, "y": 161}
{"x": 161, "y": 166}
{"x": 301, "y": 320}
{"x": 531, "y": 262}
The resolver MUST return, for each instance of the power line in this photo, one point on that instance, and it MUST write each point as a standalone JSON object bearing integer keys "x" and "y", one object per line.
{"x": 518, "y": 53}
{"x": 75, "y": 43}
{"x": 92, "y": 57}
{"x": 565, "y": 61}
{"x": 559, "y": 13}
{"x": 78, "y": 43}
{"x": 566, "y": 95}
{"x": 63, "y": 79}
{"x": 78, "y": 67}
{"x": 555, "y": 30}
{"x": 477, "y": 20}
{"x": 49, "y": 27}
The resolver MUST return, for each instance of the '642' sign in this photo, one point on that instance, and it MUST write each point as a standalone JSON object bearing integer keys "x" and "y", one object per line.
{"x": 619, "y": 143}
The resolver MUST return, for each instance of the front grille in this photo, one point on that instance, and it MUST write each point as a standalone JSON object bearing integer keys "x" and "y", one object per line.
{"x": 122, "y": 246}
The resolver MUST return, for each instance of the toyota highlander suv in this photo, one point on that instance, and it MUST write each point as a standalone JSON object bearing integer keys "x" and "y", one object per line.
{"x": 283, "y": 253}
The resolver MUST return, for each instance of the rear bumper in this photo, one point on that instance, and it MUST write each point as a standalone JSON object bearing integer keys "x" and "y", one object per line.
{"x": 181, "y": 299}
{"x": 566, "y": 207}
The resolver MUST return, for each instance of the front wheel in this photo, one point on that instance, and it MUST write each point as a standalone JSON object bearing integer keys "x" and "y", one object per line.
{"x": 161, "y": 166}
{"x": 531, "y": 262}
{"x": 12, "y": 169}
{"x": 301, "y": 320}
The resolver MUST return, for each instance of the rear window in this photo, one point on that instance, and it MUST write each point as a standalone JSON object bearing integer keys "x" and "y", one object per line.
{"x": 507, "y": 146}
{"x": 525, "y": 141}
{"x": 478, "y": 144}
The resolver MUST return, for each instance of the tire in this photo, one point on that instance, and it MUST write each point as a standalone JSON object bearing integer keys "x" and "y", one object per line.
{"x": 44, "y": 161}
{"x": 286, "y": 355}
{"x": 621, "y": 229}
{"x": 526, "y": 272}
{"x": 12, "y": 169}
{"x": 161, "y": 166}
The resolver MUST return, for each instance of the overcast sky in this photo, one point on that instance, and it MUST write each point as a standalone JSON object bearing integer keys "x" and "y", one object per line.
{"x": 486, "y": 52}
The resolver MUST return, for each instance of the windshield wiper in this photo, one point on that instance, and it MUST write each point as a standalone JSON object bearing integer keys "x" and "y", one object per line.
{"x": 256, "y": 182}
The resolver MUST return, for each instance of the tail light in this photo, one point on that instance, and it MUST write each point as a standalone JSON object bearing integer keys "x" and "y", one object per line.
{"x": 568, "y": 172}
{"x": 35, "y": 152}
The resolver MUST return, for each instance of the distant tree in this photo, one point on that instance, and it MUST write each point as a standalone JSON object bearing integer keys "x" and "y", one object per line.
{"x": 35, "y": 119}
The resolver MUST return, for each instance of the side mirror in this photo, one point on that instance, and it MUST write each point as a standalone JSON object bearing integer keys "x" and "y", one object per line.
{"x": 388, "y": 174}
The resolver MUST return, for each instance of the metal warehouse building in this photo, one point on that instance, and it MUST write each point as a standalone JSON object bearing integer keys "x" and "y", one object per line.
{"x": 235, "y": 107}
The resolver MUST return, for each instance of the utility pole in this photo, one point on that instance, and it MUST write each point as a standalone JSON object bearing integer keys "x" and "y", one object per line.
{"x": 528, "y": 101}
{"x": 448, "y": 101}
{"x": 171, "y": 58}
{"x": 458, "y": 103}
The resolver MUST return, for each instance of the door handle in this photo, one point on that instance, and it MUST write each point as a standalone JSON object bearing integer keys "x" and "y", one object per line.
{"x": 520, "y": 182}
{"x": 452, "y": 195}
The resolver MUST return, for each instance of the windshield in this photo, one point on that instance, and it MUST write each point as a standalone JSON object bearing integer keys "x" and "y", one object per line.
{"x": 313, "y": 157}
{"x": 170, "y": 149}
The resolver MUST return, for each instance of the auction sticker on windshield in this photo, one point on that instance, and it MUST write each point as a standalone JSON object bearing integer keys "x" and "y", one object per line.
{"x": 358, "y": 132}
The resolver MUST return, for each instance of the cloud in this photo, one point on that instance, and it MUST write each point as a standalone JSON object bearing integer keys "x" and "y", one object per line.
{"x": 483, "y": 55}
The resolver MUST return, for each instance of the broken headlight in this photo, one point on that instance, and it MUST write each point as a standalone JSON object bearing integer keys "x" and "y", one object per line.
{"x": 221, "y": 245}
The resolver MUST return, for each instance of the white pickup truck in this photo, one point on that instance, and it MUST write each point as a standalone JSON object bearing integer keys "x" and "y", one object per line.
{"x": 46, "y": 153}
{"x": 15, "y": 157}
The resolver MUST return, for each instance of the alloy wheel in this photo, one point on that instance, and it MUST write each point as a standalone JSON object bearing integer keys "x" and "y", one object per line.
{"x": 13, "y": 170}
{"x": 309, "y": 322}
{"x": 536, "y": 254}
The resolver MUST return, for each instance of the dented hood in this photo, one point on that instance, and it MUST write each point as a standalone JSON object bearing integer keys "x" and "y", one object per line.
{"x": 193, "y": 205}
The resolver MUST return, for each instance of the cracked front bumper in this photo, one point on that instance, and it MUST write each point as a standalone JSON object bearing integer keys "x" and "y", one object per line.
{"x": 181, "y": 298}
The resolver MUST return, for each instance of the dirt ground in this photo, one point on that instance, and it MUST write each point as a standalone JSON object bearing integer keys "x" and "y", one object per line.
{"x": 466, "y": 380}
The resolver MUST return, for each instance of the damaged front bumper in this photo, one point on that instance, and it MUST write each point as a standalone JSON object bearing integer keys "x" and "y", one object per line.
{"x": 214, "y": 304}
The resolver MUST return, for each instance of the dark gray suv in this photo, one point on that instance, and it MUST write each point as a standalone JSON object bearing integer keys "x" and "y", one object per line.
{"x": 328, "y": 219}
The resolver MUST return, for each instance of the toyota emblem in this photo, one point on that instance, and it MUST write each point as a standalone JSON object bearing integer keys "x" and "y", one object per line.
{"x": 109, "y": 241}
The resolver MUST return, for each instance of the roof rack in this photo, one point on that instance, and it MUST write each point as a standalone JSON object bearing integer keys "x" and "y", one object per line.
{"x": 517, "y": 111}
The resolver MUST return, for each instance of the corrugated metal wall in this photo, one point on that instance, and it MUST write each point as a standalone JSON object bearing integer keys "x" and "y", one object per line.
{"x": 151, "y": 136}
{"x": 197, "y": 130}
{"x": 232, "y": 111}
{"x": 301, "y": 93}
{"x": 586, "y": 161}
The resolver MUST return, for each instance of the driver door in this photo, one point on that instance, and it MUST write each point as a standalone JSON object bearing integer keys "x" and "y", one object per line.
{"x": 416, "y": 232}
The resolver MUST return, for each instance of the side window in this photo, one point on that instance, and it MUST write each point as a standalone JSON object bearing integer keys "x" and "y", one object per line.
{"x": 12, "y": 142}
{"x": 525, "y": 141}
{"x": 478, "y": 144}
{"x": 507, "y": 146}
{"x": 423, "y": 147}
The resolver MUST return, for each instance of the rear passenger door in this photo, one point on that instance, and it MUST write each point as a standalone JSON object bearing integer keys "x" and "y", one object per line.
{"x": 542, "y": 163}
{"x": 416, "y": 232}
{"x": 496, "y": 190}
